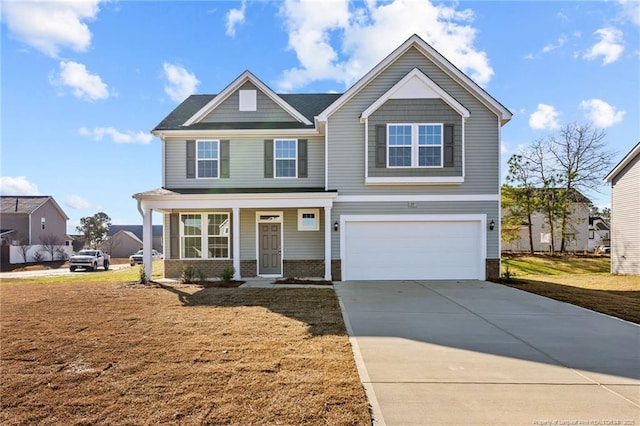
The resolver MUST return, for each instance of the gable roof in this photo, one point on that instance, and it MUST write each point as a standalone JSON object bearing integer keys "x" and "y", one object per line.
{"x": 308, "y": 104}
{"x": 26, "y": 204}
{"x": 424, "y": 84}
{"x": 246, "y": 76}
{"x": 440, "y": 61}
{"x": 136, "y": 230}
{"x": 635, "y": 151}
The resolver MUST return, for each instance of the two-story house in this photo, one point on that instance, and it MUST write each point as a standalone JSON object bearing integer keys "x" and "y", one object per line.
{"x": 625, "y": 214}
{"x": 396, "y": 178}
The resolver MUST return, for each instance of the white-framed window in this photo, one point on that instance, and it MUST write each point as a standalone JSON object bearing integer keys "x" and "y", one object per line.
{"x": 218, "y": 231}
{"x": 414, "y": 145}
{"x": 43, "y": 222}
{"x": 308, "y": 220}
{"x": 285, "y": 158}
{"x": 205, "y": 235}
{"x": 207, "y": 159}
{"x": 191, "y": 236}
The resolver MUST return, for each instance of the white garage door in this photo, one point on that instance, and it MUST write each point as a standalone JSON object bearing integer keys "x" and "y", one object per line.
{"x": 392, "y": 250}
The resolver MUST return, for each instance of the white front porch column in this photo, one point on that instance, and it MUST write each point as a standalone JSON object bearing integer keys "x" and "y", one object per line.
{"x": 327, "y": 243}
{"x": 235, "y": 222}
{"x": 147, "y": 241}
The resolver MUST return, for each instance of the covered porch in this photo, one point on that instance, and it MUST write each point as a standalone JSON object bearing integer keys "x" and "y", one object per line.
{"x": 267, "y": 233}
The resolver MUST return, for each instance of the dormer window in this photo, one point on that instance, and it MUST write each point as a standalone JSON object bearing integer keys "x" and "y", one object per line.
{"x": 248, "y": 100}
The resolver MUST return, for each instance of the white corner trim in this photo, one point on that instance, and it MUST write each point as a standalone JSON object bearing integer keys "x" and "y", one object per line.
{"x": 233, "y": 86}
{"x": 415, "y": 74}
{"x": 426, "y": 180}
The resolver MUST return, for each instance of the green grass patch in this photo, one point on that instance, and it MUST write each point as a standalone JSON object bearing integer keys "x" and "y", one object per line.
{"x": 552, "y": 265}
{"x": 100, "y": 276}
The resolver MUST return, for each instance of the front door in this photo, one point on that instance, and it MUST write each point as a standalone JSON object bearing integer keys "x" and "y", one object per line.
{"x": 269, "y": 249}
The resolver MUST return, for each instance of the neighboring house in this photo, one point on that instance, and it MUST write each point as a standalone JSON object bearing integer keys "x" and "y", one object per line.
{"x": 32, "y": 220}
{"x": 598, "y": 233}
{"x": 577, "y": 234}
{"x": 397, "y": 178}
{"x": 625, "y": 214}
{"x": 137, "y": 231}
{"x": 122, "y": 244}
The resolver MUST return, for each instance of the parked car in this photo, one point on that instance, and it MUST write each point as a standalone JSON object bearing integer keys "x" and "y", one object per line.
{"x": 138, "y": 257}
{"x": 605, "y": 249}
{"x": 89, "y": 259}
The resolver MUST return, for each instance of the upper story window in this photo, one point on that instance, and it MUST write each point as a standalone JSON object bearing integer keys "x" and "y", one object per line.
{"x": 286, "y": 158}
{"x": 207, "y": 160}
{"x": 414, "y": 145}
{"x": 43, "y": 222}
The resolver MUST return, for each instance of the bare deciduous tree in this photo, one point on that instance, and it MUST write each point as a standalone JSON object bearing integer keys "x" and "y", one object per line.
{"x": 50, "y": 244}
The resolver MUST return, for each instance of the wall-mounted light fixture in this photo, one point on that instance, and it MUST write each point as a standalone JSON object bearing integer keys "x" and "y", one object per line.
{"x": 492, "y": 225}
{"x": 336, "y": 226}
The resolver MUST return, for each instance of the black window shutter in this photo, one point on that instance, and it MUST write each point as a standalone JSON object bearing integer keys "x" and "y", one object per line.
{"x": 174, "y": 236}
{"x": 268, "y": 158}
{"x": 302, "y": 158}
{"x": 448, "y": 145}
{"x": 381, "y": 145}
{"x": 191, "y": 159}
{"x": 224, "y": 159}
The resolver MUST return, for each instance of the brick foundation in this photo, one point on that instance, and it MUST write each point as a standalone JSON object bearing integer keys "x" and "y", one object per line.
{"x": 303, "y": 268}
{"x": 493, "y": 268}
{"x": 210, "y": 268}
{"x": 336, "y": 270}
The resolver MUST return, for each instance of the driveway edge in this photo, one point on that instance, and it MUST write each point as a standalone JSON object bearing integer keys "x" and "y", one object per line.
{"x": 376, "y": 413}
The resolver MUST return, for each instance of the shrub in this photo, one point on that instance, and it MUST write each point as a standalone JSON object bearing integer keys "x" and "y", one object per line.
{"x": 227, "y": 273}
{"x": 188, "y": 275}
{"x": 143, "y": 278}
{"x": 508, "y": 275}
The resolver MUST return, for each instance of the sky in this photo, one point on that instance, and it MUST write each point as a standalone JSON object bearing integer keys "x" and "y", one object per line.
{"x": 84, "y": 82}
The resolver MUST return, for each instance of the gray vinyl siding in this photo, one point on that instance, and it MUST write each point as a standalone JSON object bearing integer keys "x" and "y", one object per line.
{"x": 300, "y": 245}
{"x": 346, "y": 136}
{"x": 490, "y": 208}
{"x": 19, "y": 222}
{"x": 267, "y": 110}
{"x": 407, "y": 111}
{"x": 246, "y": 156}
{"x": 625, "y": 220}
{"x": 55, "y": 223}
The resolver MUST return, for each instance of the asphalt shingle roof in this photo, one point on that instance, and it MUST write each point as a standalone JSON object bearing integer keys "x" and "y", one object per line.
{"x": 26, "y": 204}
{"x": 308, "y": 104}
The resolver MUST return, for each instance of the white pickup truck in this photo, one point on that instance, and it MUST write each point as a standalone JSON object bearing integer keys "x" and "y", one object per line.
{"x": 89, "y": 259}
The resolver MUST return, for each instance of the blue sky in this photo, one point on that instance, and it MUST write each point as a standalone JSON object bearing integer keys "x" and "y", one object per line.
{"x": 84, "y": 82}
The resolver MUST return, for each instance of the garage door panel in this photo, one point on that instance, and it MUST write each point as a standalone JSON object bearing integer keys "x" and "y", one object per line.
{"x": 412, "y": 250}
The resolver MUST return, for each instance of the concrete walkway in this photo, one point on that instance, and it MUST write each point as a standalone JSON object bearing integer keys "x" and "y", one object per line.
{"x": 479, "y": 353}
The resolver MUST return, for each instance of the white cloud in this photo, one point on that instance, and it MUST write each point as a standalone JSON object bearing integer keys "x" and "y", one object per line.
{"x": 116, "y": 136}
{"x": 77, "y": 202}
{"x": 17, "y": 186}
{"x": 544, "y": 118}
{"x": 503, "y": 148}
{"x": 562, "y": 40}
{"x": 368, "y": 32}
{"x": 600, "y": 113}
{"x": 609, "y": 47}
{"x": 235, "y": 17}
{"x": 631, "y": 10}
{"x": 179, "y": 83}
{"x": 82, "y": 83}
{"x": 50, "y": 26}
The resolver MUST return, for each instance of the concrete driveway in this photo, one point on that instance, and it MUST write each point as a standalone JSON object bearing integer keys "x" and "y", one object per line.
{"x": 479, "y": 353}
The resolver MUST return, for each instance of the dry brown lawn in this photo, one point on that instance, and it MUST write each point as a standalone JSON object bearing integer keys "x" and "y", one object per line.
{"x": 110, "y": 353}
